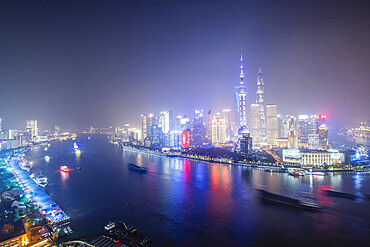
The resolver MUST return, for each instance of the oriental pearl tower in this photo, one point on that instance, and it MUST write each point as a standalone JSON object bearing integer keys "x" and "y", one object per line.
{"x": 242, "y": 93}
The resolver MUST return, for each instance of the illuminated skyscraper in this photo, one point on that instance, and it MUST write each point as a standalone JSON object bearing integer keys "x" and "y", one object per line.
{"x": 322, "y": 131}
{"x": 292, "y": 138}
{"x": 271, "y": 123}
{"x": 303, "y": 128}
{"x": 31, "y": 129}
{"x": 261, "y": 104}
{"x": 241, "y": 99}
{"x": 147, "y": 120}
{"x": 218, "y": 129}
{"x": 254, "y": 124}
{"x": 198, "y": 128}
{"x": 165, "y": 121}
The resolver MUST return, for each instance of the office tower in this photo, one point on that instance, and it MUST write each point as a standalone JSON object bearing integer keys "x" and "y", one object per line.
{"x": 245, "y": 144}
{"x": 175, "y": 139}
{"x": 313, "y": 141}
{"x": 303, "y": 128}
{"x": 241, "y": 95}
{"x": 271, "y": 123}
{"x": 322, "y": 131}
{"x": 155, "y": 135}
{"x": 254, "y": 124}
{"x": 198, "y": 128}
{"x": 283, "y": 126}
{"x": 312, "y": 124}
{"x": 1, "y": 127}
{"x": 147, "y": 120}
{"x": 31, "y": 129}
{"x": 226, "y": 113}
{"x": 261, "y": 105}
{"x": 293, "y": 138}
{"x": 218, "y": 129}
{"x": 165, "y": 121}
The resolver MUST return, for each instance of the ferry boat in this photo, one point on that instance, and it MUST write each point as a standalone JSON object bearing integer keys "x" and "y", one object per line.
{"x": 41, "y": 181}
{"x": 296, "y": 173}
{"x": 47, "y": 158}
{"x": 288, "y": 201}
{"x": 64, "y": 169}
{"x": 137, "y": 168}
{"x": 46, "y": 149}
{"x": 75, "y": 146}
{"x": 315, "y": 173}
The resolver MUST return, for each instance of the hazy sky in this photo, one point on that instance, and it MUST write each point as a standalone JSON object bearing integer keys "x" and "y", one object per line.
{"x": 106, "y": 62}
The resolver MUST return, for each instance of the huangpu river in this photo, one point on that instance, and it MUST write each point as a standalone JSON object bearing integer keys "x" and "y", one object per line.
{"x": 182, "y": 202}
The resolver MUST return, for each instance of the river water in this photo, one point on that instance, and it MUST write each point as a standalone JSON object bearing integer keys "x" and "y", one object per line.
{"x": 182, "y": 202}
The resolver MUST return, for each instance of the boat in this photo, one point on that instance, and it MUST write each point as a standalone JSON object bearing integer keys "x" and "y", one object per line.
{"x": 110, "y": 226}
{"x": 78, "y": 167}
{"x": 24, "y": 165}
{"x": 315, "y": 173}
{"x": 288, "y": 201}
{"x": 296, "y": 173}
{"x": 75, "y": 146}
{"x": 78, "y": 151}
{"x": 137, "y": 168}
{"x": 41, "y": 180}
{"x": 64, "y": 169}
{"x": 127, "y": 235}
{"x": 47, "y": 158}
{"x": 45, "y": 149}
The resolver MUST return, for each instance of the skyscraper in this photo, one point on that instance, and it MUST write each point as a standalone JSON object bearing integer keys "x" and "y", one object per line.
{"x": 147, "y": 120}
{"x": 218, "y": 129}
{"x": 245, "y": 144}
{"x": 303, "y": 128}
{"x": 31, "y": 129}
{"x": 165, "y": 121}
{"x": 322, "y": 131}
{"x": 254, "y": 124}
{"x": 198, "y": 128}
{"x": 261, "y": 105}
{"x": 271, "y": 124}
{"x": 293, "y": 138}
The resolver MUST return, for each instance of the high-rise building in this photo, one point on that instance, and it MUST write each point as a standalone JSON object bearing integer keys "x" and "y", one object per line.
{"x": 165, "y": 121}
{"x": 321, "y": 119}
{"x": 147, "y": 120}
{"x": 313, "y": 141}
{"x": 241, "y": 96}
{"x": 31, "y": 129}
{"x": 322, "y": 131}
{"x": 303, "y": 128}
{"x": 245, "y": 144}
{"x": 261, "y": 104}
{"x": 254, "y": 124}
{"x": 283, "y": 126}
{"x": 218, "y": 129}
{"x": 293, "y": 138}
{"x": 1, "y": 127}
{"x": 198, "y": 128}
{"x": 271, "y": 123}
{"x": 312, "y": 124}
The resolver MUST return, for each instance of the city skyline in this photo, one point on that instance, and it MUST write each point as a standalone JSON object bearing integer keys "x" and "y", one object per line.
{"x": 61, "y": 77}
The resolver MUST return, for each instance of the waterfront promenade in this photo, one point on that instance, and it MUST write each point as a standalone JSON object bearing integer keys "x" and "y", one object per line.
{"x": 47, "y": 207}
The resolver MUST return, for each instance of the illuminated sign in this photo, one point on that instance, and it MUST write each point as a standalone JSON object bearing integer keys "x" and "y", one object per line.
{"x": 323, "y": 116}
{"x": 185, "y": 138}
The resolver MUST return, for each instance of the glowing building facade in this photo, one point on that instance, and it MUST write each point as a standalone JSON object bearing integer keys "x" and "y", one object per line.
{"x": 261, "y": 105}
{"x": 241, "y": 100}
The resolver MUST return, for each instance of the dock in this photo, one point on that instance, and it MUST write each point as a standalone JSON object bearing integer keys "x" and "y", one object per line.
{"x": 47, "y": 207}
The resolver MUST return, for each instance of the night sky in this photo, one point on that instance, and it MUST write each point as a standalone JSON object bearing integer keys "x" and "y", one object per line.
{"x": 76, "y": 63}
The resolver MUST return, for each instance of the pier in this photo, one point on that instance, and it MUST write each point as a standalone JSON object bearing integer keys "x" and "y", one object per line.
{"x": 47, "y": 207}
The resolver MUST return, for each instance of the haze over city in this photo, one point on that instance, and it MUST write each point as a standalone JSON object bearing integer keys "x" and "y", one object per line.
{"x": 104, "y": 63}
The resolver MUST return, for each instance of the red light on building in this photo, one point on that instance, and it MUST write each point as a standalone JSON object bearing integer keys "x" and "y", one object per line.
{"x": 185, "y": 138}
{"x": 323, "y": 116}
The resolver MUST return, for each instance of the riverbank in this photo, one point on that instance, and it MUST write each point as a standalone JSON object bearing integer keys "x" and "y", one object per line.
{"x": 260, "y": 165}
